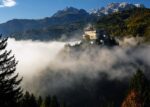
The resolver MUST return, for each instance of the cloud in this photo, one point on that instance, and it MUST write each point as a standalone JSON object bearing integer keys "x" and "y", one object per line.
{"x": 38, "y": 53}
{"x": 7, "y": 3}
{"x": 80, "y": 76}
{"x": 46, "y": 68}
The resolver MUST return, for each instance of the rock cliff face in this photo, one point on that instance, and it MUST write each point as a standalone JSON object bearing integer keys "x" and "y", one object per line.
{"x": 132, "y": 100}
{"x": 115, "y": 7}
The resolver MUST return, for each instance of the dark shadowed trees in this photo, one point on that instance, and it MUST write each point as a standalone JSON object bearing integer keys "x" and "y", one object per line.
{"x": 29, "y": 100}
{"x": 10, "y": 90}
{"x": 54, "y": 102}
{"x": 141, "y": 84}
{"x": 139, "y": 93}
{"x": 39, "y": 101}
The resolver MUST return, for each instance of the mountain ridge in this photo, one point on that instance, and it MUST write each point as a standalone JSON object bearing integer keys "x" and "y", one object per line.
{"x": 55, "y": 26}
{"x": 115, "y": 7}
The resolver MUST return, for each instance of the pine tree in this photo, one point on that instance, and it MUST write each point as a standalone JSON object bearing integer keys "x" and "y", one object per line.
{"x": 10, "y": 91}
{"x": 33, "y": 102}
{"x": 63, "y": 104}
{"x": 133, "y": 99}
{"x": 29, "y": 100}
{"x": 141, "y": 84}
{"x": 139, "y": 93}
{"x": 40, "y": 100}
{"x": 26, "y": 100}
{"x": 47, "y": 101}
{"x": 54, "y": 102}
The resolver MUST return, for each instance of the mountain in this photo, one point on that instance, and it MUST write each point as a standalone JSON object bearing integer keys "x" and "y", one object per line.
{"x": 66, "y": 16}
{"x": 70, "y": 11}
{"x": 55, "y": 26}
{"x": 130, "y": 23}
{"x": 115, "y": 7}
{"x": 48, "y": 28}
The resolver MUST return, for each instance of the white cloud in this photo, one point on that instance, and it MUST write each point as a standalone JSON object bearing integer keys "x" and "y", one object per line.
{"x": 7, "y": 3}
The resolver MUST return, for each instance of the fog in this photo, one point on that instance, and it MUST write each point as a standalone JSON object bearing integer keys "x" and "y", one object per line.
{"x": 33, "y": 57}
{"x": 48, "y": 69}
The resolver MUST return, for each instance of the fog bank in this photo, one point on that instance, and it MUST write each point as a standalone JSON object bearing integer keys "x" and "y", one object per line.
{"x": 48, "y": 70}
{"x": 33, "y": 57}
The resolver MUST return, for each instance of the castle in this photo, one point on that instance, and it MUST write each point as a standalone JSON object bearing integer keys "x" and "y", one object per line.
{"x": 90, "y": 34}
{"x": 98, "y": 36}
{"x": 94, "y": 37}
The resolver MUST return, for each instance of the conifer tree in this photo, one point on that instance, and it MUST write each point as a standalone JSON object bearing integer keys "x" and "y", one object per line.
{"x": 139, "y": 93}
{"x": 54, "y": 102}
{"x": 47, "y": 101}
{"x": 29, "y": 100}
{"x": 33, "y": 102}
{"x": 40, "y": 100}
{"x": 26, "y": 100}
{"x": 10, "y": 90}
{"x": 63, "y": 104}
{"x": 141, "y": 84}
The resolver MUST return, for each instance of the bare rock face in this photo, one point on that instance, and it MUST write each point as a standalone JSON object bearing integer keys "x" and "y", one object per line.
{"x": 115, "y": 7}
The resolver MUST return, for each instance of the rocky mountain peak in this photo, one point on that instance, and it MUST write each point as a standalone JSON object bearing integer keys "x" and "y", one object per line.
{"x": 115, "y": 7}
{"x": 69, "y": 10}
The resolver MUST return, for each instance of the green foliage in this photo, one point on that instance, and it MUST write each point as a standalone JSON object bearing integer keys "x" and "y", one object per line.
{"x": 135, "y": 22}
{"x": 51, "y": 32}
{"x": 39, "y": 101}
{"x": 47, "y": 101}
{"x": 29, "y": 100}
{"x": 54, "y": 102}
{"x": 10, "y": 91}
{"x": 63, "y": 104}
{"x": 140, "y": 84}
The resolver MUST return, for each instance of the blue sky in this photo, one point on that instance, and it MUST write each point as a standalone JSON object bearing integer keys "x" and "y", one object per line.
{"x": 36, "y": 9}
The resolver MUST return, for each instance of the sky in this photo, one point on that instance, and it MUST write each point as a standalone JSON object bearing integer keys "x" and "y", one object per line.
{"x": 38, "y": 9}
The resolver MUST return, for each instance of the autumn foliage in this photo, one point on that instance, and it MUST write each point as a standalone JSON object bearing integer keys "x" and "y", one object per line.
{"x": 139, "y": 92}
{"x": 133, "y": 100}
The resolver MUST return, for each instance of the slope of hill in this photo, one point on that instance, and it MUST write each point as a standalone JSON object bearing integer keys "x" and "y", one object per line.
{"x": 134, "y": 22}
{"x": 59, "y": 32}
